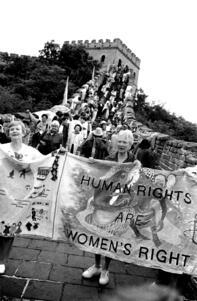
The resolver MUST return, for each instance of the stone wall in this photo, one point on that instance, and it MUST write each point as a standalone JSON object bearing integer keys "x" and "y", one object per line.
{"x": 108, "y": 44}
{"x": 5, "y": 56}
{"x": 174, "y": 154}
{"x": 113, "y": 51}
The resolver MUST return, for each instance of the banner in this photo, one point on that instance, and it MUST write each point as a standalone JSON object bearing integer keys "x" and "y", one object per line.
{"x": 133, "y": 214}
{"x": 27, "y": 196}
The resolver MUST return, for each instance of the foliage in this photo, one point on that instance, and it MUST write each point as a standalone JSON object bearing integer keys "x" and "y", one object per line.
{"x": 73, "y": 59}
{"x": 39, "y": 83}
{"x": 160, "y": 120}
{"x": 50, "y": 52}
{"x": 10, "y": 102}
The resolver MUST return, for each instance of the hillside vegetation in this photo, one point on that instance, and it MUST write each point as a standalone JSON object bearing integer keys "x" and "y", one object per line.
{"x": 38, "y": 83}
{"x": 160, "y": 120}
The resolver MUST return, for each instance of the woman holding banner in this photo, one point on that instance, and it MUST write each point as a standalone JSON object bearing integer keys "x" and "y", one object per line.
{"x": 20, "y": 154}
{"x": 123, "y": 155}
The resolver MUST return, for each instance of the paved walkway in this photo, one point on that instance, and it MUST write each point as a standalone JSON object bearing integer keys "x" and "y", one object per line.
{"x": 39, "y": 269}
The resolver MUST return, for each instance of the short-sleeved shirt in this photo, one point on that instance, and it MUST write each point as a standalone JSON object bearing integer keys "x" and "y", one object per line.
{"x": 25, "y": 154}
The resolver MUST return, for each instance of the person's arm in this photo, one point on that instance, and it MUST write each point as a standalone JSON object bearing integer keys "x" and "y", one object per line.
{"x": 42, "y": 142}
{"x": 32, "y": 117}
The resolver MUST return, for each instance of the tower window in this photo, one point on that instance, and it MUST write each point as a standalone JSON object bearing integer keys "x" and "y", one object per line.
{"x": 103, "y": 58}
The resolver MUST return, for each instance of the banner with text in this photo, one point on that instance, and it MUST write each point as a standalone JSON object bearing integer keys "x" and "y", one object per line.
{"x": 133, "y": 214}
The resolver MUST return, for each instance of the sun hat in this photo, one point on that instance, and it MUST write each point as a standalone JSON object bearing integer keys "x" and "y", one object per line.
{"x": 98, "y": 132}
{"x": 55, "y": 122}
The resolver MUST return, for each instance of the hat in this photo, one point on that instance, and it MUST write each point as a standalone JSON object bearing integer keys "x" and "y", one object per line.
{"x": 98, "y": 132}
{"x": 55, "y": 122}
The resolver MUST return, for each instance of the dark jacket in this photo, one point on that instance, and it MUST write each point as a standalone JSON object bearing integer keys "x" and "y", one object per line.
{"x": 147, "y": 158}
{"x": 65, "y": 134}
{"x": 114, "y": 157}
{"x": 51, "y": 143}
{"x": 100, "y": 149}
{"x": 35, "y": 139}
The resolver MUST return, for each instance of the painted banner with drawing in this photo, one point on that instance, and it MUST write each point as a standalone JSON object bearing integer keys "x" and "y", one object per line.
{"x": 143, "y": 216}
{"x": 28, "y": 193}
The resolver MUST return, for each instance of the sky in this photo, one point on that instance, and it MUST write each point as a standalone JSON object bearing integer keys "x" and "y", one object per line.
{"x": 162, "y": 33}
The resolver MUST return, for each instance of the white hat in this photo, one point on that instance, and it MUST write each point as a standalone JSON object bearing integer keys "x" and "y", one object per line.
{"x": 55, "y": 122}
{"x": 98, "y": 132}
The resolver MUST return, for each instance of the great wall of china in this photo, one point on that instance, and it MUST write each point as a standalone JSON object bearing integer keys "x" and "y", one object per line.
{"x": 101, "y": 44}
{"x": 108, "y": 44}
{"x": 51, "y": 270}
{"x": 172, "y": 153}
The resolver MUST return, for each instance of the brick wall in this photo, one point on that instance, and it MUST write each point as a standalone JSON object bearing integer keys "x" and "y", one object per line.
{"x": 174, "y": 154}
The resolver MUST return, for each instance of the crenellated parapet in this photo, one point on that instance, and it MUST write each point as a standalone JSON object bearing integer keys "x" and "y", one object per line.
{"x": 5, "y": 56}
{"x": 107, "y": 44}
{"x": 100, "y": 44}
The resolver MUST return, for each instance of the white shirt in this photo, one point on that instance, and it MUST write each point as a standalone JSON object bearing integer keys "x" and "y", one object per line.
{"x": 76, "y": 140}
{"x": 25, "y": 154}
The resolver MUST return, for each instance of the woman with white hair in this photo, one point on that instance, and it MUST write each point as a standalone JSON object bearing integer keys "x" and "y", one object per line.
{"x": 123, "y": 155}
{"x": 124, "y": 144}
{"x": 22, "y": 153}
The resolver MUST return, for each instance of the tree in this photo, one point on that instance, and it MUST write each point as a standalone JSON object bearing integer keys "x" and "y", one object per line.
{"x": 77, "y": 63}
{"x": 33, "y": 82}
{"x": 157, "y": 118}
{"x": 46, "y": 84}
{"x": 50, "y": 53}
{"x": 11, "y": 103}
{"x": 20, "y": 67}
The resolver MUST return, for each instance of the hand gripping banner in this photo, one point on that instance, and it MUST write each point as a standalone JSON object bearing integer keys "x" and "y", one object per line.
{"x": 132, "y": 214}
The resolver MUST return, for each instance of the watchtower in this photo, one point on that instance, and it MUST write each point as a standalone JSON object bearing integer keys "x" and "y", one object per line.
{"x": 111, "y": 52}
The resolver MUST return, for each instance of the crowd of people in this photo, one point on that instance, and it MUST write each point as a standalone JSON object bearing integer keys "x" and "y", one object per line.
{"x": 92, "y": 125}
{"x": 94, "y": 113}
